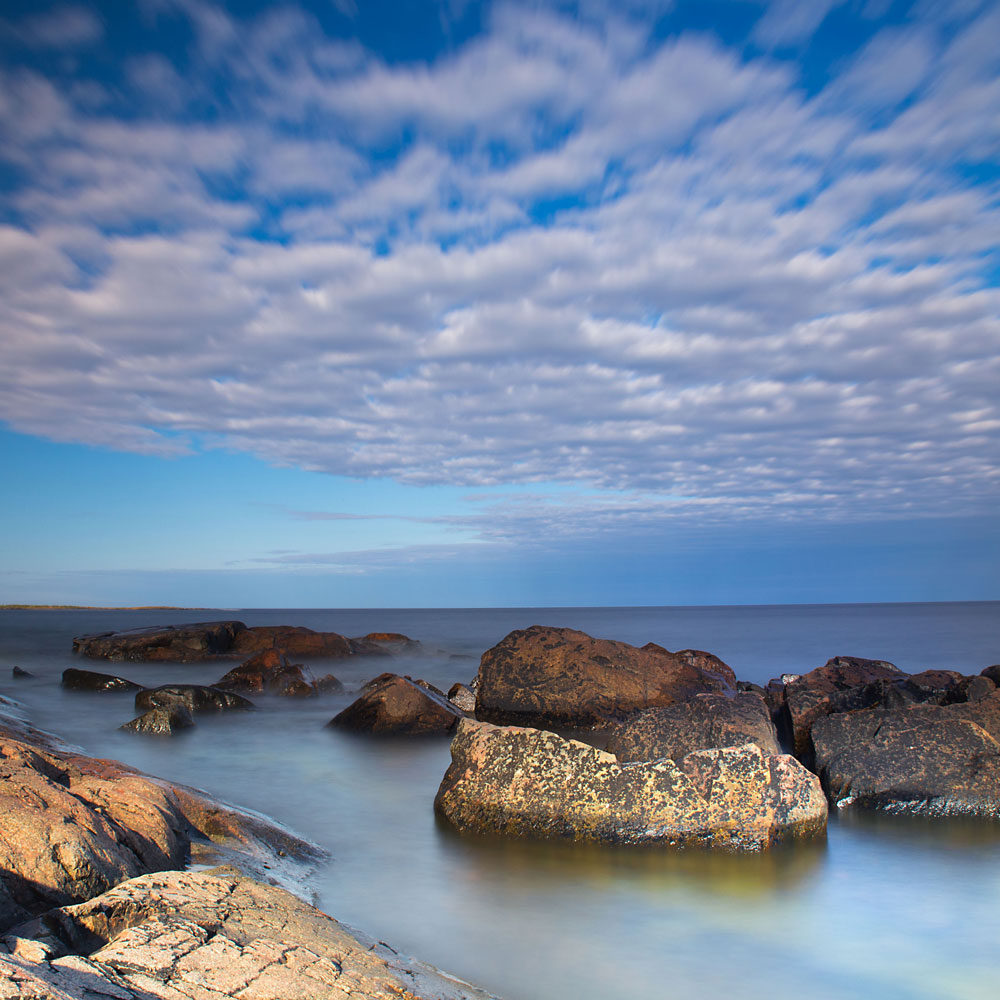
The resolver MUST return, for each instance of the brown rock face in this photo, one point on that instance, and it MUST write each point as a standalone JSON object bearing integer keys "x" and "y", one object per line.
{"x": 842, "y": 684}
{"x": 928, "y": 759}
{"x": 194, "y": 697}
{"x": 393, "y": 705}
{"x": 180, "y": 643}
{"x": 705, "y": 722}
{"x": 531, "y": 783}
{"x": 271, "y": 672}
{"x": 562, "y": 677}
{"x": 291, "y": 640}
{"x": 210, "y": 936}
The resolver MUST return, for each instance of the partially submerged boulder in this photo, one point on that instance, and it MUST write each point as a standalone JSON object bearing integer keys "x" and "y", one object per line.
{"x": 394, "y": 705}
{"x": 531, "y": 783}
{"x": 194, "y": 697}
{"x": 162, "y": 721}
{"x": 704, "y": 722}
{"x": 91, "y": 680}
{"x": 270, "y": 672}
{"x": 562, "y": 677}
{"x": 937, "y": 760}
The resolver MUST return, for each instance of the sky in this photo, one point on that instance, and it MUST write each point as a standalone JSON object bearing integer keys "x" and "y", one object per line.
{"x": 336, "y": 303}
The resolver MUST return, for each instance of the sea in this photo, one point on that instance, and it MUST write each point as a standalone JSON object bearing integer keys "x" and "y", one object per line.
{"x": 883, "y": 907}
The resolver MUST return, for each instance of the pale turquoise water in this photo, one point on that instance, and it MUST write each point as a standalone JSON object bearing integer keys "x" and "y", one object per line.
{"x": 883, "y": 908}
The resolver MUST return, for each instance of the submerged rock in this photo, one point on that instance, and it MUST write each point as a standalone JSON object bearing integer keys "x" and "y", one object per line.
{"x": 936, "y": 760}
{"x": 162, "y": 721}
{"x": 559, "y": 676}
{"x": 90, "y": 680}
{"x": 19, "y": 672}
{"x": 531, "y": 783}
{"x": 194, "y": 697}
{"x": 394, "y": 705}
{"x": 704, "y": 722}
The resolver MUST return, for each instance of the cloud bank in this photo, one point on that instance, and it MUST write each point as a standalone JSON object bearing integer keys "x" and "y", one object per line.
{"x": 566, "y": 249}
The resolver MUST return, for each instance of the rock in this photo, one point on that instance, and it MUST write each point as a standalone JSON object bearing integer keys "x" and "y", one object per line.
{"x": 937, "y": 686}
{"x": 526, "y": 782}
{"x": 777, "y": 704}
{"x": 162, "y": 721}
{"x": 390, "y": 639}
{"x": 19, "y": 672}
{"x": 328, "y": 684}
{"x": 182, "y": 643}
{"x": 992, "y": 673}
{"x": 748, "y": 687}
{"x": 974, "y": 688}
{"x": 90, "y": 680}
{"x": 463, "y": 698}
{"x": 842, "y": 684}
{"x": 930, "y": 759}
{"x": 211, "y": 936}
{"x": 704, "y": 722}
{"x": 559, "y": 676}
{"x": 391, "y": 704}
{"x": 292, "y": 640}
{"x": 271, "y": 672}
{"x": 194, "y": 697}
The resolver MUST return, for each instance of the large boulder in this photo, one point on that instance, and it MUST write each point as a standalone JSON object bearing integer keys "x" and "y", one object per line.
{"x": 704, "y": 722}
{"x": 208, "y": 936}
{"x": 179, "y": 643}
{"x": 292, "y": 640}
{"x": 194, "y": 697}
{"x": 527, "y": 782}
{"x": 90, "y": 680}
{"x": 394, "y": 705}
{"x": 842, "y": 684}
{"x": 562, "y": 677}
{"x": 270, "y": 672}
{"x": 928, "y": 759}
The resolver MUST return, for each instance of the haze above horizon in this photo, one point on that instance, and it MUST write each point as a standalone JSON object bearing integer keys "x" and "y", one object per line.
{"x": 334, "y": 303}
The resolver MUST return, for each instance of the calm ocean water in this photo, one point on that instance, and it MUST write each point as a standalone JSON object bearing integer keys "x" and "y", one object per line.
{"x": 886, "y": 908}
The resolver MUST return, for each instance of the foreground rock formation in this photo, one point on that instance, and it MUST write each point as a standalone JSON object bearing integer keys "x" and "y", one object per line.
{"x": 927, "y": 759}
{"x": 400, "y": 706}
{"x": 562, "y": 677}
{"x": 706, "y": 721}
{"x": 178, "y": 935}
{"x": 526, "y": 782}
{"x": 209, "y": 640}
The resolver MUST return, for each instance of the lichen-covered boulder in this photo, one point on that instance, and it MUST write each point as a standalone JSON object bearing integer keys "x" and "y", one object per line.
{"x": 939, "y": 760}
{"x": 527, "y": 782}
{"x": 704, "y": 722}
{"x": 562, "y": 677}
{"x": 394, "y": 705}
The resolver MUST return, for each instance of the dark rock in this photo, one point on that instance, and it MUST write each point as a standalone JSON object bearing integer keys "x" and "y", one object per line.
{"x": 180, "y": 643}
{"x": 463, "y": 698}
{"x": 842, "y": 684}
{"x": 195, "y": 697}
{"x": 162, "y": 721}
{"x": 934, "y": 686}
{"x": 993, "y": 673}
{"x": 272, "y": 673}
{"x": 974, "y": 688}
{"x": 328, "y": 684}
{"x": 19, "y": 672}
{"x": 559, "y": 676}
{"x": 705, "y": 722}
{"x": 928, "y": 759}
{"x": 90, "y": 680}
{"x": 748, "y": 687}
{"x": 530, "y": 783}
{"x": 398, "y": 705}
{"x": 292, "y": 640}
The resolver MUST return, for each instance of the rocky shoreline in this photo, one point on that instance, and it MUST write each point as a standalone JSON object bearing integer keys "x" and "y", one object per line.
{"x": 116, "y": 884}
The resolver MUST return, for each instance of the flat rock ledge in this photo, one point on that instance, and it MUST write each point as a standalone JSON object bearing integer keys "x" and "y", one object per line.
{"x": 526, "y": 782}
{"x": 206, "y": 936}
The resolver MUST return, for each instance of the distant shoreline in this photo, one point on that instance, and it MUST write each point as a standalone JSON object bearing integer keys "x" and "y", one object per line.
{"x": 96, "y": 607}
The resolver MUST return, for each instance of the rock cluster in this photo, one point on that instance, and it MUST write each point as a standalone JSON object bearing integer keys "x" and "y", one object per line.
{"x": 400, "y": 706}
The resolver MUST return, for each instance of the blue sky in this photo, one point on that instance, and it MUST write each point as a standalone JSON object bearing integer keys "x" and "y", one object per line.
{"x": 336, "y": 303}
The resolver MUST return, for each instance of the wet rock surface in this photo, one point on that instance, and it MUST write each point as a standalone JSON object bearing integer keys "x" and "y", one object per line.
{"x": 706, "y": 721}
{"x": 559, "y": 676}
{"x": 527, "y": 782}
{"x": 939, "y": 760}
{"x": 270, "y": 672}
{"x": 162, "y": 721}
{"x": 394, "y": 705}
{"x": 177, "y": 935}
{"x": 194, "y": 697}
{"x": 90, "y": 680}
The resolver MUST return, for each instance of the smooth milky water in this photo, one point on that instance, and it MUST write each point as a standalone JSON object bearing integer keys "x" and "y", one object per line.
{"x": 884, "y": 907}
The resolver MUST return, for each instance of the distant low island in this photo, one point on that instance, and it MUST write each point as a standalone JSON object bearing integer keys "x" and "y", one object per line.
{"x": 95, "y": 607}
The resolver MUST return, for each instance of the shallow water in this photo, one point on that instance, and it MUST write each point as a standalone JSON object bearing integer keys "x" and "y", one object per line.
{"x": 884, "y": 907}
